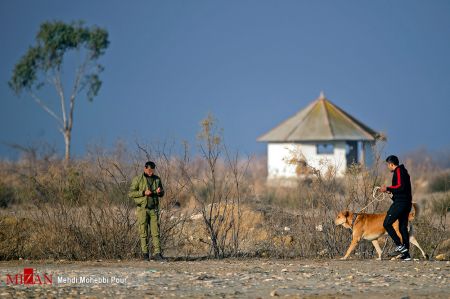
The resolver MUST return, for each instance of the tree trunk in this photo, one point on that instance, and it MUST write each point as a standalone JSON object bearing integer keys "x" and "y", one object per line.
{"x": 67, "y": 137}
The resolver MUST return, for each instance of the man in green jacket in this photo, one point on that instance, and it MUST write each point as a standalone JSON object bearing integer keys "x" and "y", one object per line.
{"x": 145, "y": 190}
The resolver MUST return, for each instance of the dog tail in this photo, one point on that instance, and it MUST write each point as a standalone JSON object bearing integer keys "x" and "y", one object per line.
{"x": 414, "y": 212}
{"x": 411, "y": 230}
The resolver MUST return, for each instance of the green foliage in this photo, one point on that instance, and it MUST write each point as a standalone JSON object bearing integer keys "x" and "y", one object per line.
{"x": 53, "y": 41}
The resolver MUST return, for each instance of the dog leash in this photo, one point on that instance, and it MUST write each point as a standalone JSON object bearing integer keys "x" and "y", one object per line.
{"x": 380, "y": 197}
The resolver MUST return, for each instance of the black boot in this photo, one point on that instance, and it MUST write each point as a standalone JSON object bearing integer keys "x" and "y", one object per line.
{"x": 158, "y": 257}
{"x": 145, "y": 256}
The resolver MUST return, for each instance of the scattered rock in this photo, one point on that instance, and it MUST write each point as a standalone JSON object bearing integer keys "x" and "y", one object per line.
{"x": 250, "y": 278}
{"x": 441, "y": 257}
{"x": 196, "y": 216}
{"x": 205, "y": 277}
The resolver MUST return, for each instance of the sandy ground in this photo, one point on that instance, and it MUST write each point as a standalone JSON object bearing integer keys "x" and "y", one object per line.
{"x": 232, "y": 278}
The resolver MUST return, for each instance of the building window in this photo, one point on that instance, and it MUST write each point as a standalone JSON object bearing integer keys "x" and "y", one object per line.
{"x": 325, "y": 149}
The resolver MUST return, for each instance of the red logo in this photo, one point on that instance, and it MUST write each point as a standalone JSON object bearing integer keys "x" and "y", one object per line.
{"x": 29, "y": 277}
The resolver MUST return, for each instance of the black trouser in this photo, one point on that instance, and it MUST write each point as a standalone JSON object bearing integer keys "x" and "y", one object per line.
{"x": 398, "y": 211}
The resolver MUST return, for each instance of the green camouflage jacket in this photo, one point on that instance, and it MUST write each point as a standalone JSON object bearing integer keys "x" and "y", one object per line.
{"x": 141, "y": 183}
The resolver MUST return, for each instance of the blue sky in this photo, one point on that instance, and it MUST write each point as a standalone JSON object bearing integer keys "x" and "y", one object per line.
{"x": 251, "y": 64}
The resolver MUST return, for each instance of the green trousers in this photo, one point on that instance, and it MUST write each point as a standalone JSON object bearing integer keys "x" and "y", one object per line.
{"x": 145, "y": 218}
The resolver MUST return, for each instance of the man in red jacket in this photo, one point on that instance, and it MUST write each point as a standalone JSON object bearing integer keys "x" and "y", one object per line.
{"x": 400, "y": 208}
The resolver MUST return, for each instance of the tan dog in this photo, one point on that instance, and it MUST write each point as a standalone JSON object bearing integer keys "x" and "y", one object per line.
{"x": 370, "y": 227}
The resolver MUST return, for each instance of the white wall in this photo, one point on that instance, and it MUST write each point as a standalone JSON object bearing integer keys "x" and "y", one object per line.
{"x": 278, "y": 155}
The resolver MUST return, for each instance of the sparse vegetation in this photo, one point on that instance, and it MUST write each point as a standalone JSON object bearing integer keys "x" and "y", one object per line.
{"x": 440, "y": 182}
{"x": 216, "y": 204}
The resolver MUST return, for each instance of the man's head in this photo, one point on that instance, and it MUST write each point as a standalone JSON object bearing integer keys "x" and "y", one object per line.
{"x": 149, "y": 167}
{"x": 392, "y": 162}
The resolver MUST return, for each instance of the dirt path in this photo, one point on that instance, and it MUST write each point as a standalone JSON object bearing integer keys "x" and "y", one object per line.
{"x": 232, "y": 278}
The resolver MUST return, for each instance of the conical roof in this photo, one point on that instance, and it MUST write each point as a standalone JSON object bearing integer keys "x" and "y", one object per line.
{"x": 320, "y": 121}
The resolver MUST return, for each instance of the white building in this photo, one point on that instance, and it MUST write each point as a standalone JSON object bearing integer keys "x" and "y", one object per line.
{"x": 322, "y": 136}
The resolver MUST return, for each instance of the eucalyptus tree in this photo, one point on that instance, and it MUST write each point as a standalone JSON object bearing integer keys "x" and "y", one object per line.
{"x": 42, "y": 65}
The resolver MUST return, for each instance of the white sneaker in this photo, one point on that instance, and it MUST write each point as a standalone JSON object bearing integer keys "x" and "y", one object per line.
{"x": 399, "y": 250}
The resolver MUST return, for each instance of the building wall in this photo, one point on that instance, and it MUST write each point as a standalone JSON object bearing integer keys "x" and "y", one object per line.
{"x": 279, "y": 155}
{"x": 369, "y": 155}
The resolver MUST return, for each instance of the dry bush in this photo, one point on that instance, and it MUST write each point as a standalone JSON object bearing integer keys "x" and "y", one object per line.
{"x": 216, "y": 204}
{"x": 217, "y": 189}
{"x": 14, "y": 237}
{"x": 83, "y": 212}
{"x": 80, "y": 211}
{"x": 304, "y": 213}
{"x": 76, "y": 213}
{"x": 440, "y": 182}
{"x": 431, "y": 227}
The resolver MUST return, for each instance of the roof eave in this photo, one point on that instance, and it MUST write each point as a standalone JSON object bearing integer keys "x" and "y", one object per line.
{"x": 317, "y": 139}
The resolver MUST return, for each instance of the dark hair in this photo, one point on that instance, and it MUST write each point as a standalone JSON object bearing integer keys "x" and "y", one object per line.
{"x": 393, "y": 159}
{"x": 150, "y": 164}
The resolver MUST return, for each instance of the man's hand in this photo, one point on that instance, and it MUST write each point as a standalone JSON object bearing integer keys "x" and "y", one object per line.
{"x": 383, "y": 188}
{"x": 158, "y": 190}
{"x": 148, "y": 192}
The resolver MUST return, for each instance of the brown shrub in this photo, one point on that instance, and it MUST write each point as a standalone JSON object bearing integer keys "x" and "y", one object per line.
{"x": 82, "y": 211}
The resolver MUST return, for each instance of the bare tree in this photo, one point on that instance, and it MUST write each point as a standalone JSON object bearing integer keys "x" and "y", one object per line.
{"x": 217, "y": 189}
